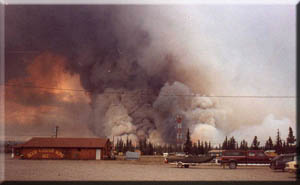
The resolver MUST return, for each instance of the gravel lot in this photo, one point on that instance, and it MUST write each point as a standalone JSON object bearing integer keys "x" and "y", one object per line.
{"x": 133, "y": 170}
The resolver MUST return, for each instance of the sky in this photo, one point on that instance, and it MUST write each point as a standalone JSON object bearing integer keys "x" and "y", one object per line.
{"x": 225, "y": 68}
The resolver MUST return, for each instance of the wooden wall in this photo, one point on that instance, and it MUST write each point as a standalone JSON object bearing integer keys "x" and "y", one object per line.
{"x": 56, "y": 153}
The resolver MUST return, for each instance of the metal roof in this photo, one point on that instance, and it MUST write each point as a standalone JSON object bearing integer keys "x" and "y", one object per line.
{"x": 40, "y": 142}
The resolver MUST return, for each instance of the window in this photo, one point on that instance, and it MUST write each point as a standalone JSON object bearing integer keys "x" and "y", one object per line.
{"x": 233, "y": 153}
{"x": 251, "y": 154}
{"x": 260, "y": 154}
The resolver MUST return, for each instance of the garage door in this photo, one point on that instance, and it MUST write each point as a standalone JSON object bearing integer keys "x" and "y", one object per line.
{"x": 98, "y": 154}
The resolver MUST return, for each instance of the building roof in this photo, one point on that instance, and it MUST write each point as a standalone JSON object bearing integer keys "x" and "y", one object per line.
{"x": 215, "y": 151}
{"x": 64, "y": 143}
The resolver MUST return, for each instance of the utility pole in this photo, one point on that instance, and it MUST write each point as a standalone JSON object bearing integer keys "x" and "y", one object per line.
{"x": 113, "y": 143}
{"x": 56, "y": 131}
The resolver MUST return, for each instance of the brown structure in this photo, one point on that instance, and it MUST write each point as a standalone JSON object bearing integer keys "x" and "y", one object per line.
{"x": 64, "y": 148}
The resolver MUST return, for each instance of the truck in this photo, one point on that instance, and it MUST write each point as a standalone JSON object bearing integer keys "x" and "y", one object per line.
{"x": 233, "y": 158}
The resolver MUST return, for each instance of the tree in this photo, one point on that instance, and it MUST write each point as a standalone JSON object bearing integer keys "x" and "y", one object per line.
{"x": 198, "y": 147}
{"x": 278, "y": 146}
{"x": 225, "y": 144}
{"x": 255, "y": 144}
{"x": 231, "y": 143}
{"x": 291, "y": 138}
{"x": 150, "y": 148}
{"x": 244, "y": 145}
{"x": 194, "y": 150}
{"x": 269, "y": 144}
{"x": 188, "y": 143}
{"x": 120, "y": 145}
{"x": 143, "y": 146}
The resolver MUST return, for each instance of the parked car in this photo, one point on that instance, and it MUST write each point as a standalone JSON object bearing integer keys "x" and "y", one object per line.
{"x": 292, "y": 166}
{"x": 234, "y": 157}
{"x": 279, "y": 162}
{"x": 271, "y": 153}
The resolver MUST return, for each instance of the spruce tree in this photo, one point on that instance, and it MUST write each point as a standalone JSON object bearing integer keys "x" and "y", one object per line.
{"x": 291, "y": 138}
{"x": 231, "y": 143}
{"x": 244, "y": 145}
{"x": 278, "y": 146}
{"x": 255, "y": 144}
{"x": 194, "y": 150}
{"x": 188, "y": 143}
{"x": 150, "y": 148}
{"x": 269, "y": 144}
{"x": 225, "y": 144}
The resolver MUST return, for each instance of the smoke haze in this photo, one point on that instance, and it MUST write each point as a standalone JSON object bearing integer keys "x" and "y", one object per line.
{"x": 127, "y": 71}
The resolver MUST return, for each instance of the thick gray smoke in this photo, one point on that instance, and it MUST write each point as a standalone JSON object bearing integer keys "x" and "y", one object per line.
{"x": 139, "y": 71}
{"x": 112, "y": 53}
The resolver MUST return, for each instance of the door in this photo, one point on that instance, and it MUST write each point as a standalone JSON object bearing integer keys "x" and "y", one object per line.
{"x": 262, "y": 158}
{"x": 98, "y": 154}
{"x": 252, "y": 159}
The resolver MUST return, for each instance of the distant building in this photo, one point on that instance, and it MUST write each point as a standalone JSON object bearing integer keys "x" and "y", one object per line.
{"x": 64, "y": 148}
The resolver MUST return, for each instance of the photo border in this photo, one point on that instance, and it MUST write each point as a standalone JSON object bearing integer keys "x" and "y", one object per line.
{"x": 145, "y": 2}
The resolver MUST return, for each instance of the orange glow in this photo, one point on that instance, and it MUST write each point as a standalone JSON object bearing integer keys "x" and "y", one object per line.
{"x": 46, "y": 71}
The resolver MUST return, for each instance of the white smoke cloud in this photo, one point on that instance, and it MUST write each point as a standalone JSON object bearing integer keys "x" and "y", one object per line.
{"x": 206, "y": 132}
{"x": 267, "y": 128}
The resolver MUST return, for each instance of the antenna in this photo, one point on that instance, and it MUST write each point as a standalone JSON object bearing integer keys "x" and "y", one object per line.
{"x": 179, "y": 137}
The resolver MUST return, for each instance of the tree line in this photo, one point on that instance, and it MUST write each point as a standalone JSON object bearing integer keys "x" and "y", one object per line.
{"x": 280, "y": 146}
{"x": 202, "y": 147}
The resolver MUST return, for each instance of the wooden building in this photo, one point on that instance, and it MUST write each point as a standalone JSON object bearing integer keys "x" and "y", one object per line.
{"x": 64, "y": 148}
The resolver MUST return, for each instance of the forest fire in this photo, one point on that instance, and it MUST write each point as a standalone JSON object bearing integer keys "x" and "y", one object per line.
{"x": 107, "y": 72}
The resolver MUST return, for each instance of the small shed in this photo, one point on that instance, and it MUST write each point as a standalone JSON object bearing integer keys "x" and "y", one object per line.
{"x": 132, "y": 155}
{"x": 64, "y": 148}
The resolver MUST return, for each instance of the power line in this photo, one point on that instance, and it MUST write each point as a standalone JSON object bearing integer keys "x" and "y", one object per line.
{"x": 144, "y": 92}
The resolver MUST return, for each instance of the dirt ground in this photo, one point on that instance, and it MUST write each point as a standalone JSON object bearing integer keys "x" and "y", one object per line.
{"x": 133, "y": 170}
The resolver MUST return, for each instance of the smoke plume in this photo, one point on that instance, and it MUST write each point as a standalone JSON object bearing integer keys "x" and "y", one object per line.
{"x": 104, "y": 71}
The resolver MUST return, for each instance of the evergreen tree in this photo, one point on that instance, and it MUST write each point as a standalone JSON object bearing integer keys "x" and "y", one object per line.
{"x": 205, "y": 147}
{"x": 225, "y": 144}
{"x": 188, "y": 144}
{"x": 165, "y": 149}
{"x": 121, "y": 146}
{"x": 255, "y": 144}
{"x": 278, "y": 146}
{"x": 145, "y": 146}
{"x": 194, "y": 150}
{"x": 231, "y": 143}
{"x": 269, "y": 144}
{"x": 244, "y": 145}
{"x": 198, "y": 147}
{"x": 130, "y": 147}
{"x": 284, "y": 147}
{"x": 126, "y": 145}
{"x": 117, "y": 146}
{"x": 201, "y": 148}
{"x": 291, "y": 138}
{"x": 150, "y": 148}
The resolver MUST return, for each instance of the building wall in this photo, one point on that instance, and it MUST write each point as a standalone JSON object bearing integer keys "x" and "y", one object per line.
{"x": 56, "y": 153}
{"x": 62, "y": 153}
